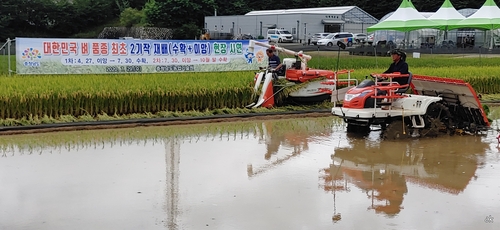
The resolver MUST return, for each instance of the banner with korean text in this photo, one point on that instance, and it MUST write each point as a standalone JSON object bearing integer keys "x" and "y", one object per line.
{"x": 97, "y": 56}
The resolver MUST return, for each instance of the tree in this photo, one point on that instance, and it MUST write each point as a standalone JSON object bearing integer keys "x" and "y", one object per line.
{"x": 60, "y": 18}
{"x": 7, "y": 15}
{"x": 236, "y": 7}
{"x": 175, "y": 13}
{"x": 130, "y": 17}
{"x": 186, "y": 31}
{"x": 427, "y": 5}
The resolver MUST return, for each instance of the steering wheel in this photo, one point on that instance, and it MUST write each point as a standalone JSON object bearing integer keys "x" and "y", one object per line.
{"x": 378, "y": 77}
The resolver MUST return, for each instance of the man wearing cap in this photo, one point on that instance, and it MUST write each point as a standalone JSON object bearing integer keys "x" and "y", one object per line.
{"x": 399, "y": 65}
{"x": 398, "y": 62}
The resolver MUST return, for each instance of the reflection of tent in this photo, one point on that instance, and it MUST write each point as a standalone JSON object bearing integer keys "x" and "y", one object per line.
{"x": 486, "y": 18}
{"x": 405, "y": 18}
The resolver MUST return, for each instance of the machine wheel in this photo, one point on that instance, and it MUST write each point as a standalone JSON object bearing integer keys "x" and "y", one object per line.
{"x": 437, "y": 120}
{"x": 396, "y": 131}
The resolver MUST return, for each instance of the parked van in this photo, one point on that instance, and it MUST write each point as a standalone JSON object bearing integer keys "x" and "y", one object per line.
{"x": 278, "y": 35}
{"x": 332, "y": 39}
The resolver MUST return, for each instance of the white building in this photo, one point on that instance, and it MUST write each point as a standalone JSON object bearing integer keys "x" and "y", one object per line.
{"x": 300, "y": 22}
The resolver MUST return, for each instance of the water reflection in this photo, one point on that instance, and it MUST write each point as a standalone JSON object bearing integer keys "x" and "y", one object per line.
{"x": 274, "y": 174}
{"x": 383, "y": 169}
{"x": 294, "y": 136}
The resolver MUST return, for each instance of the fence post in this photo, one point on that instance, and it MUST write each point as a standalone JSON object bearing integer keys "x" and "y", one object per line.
{"x": 8, "y": 54}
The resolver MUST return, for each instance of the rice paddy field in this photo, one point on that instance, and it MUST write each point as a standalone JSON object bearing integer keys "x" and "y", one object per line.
{"x": 42, "y": 98}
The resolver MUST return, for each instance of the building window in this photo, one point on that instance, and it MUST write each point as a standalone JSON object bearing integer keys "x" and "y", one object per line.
{"x": 294, "y": 30}
{"x": 331, "y": 28}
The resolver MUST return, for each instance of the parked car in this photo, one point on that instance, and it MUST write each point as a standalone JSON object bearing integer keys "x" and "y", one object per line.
{"x": 317, "y": 36}
{"x": 277, "y": 35}
{"x": 370, "y": 38}
{"x": 359, "y": 38}
{"x": 332, "y": 39}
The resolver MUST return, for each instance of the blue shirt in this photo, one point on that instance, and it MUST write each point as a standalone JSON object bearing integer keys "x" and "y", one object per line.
{"x": 274, "y": 61}
{"x": 402, "y": 67}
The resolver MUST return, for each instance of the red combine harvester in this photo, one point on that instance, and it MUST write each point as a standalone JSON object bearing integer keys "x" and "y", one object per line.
{"x": 313, "y": 85}
{"x": 437, "y": 106}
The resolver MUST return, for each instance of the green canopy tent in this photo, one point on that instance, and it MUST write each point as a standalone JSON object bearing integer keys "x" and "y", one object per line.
{"x": 486, "y": 18}
{"x": 406, "y": 18}
{"x": 446, "y": 16}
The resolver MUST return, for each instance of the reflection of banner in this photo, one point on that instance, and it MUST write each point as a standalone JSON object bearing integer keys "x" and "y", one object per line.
{"x": 80, "y": 56}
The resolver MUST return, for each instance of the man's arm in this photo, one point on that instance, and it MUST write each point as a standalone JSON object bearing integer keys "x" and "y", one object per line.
{"x": 390, "y": 70}
{"x": 278, "y": 61}
{"x": 279, "y": 66}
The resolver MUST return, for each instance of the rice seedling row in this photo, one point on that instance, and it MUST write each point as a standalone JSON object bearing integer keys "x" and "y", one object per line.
{"x": 23, "y": 96}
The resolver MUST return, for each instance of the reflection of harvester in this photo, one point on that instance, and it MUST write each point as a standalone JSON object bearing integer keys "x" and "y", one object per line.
{"x": 303, "y": 84}
{"x": 383, "y": 169}
{"x": 437, "y": 106}
{"x": 286, "y": 135}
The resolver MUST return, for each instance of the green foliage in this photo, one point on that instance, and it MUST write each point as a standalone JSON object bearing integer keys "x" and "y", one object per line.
{"x": 131, "y": 17}
{"x": 93, "y": 32}
{"x": 175, "y": 13}
{"x": 122, "y": 5}
{"x": 236, "y": 7}
{"x": 186, "y": 31}
{"x": 4, "y": 64}
{"x": 37, "y": 99}
{"x": 153, "y": 14}
{"x": 49, "y": 18}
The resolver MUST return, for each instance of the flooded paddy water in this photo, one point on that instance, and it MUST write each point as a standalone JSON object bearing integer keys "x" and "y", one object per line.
{"x": 302, "y": 173}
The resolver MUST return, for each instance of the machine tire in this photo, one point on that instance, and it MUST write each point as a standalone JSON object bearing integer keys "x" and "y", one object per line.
{"x": 396, "y": 131}
{"x": 329, "y": 44}
{"x": 349, "y": 44}
{"x": 437, "y": 120}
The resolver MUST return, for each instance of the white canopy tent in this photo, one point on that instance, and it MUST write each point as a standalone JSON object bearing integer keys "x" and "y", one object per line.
{"x": 486, "y": 18}
{"x": 446, "y": 16}
{"x": 405, "y": 18}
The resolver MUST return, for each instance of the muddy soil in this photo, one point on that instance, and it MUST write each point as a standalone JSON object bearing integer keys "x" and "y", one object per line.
{"x": 167, "y": 123}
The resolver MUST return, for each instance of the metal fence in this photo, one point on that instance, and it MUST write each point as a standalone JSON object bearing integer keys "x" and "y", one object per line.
{"x": 7, "y": 57}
